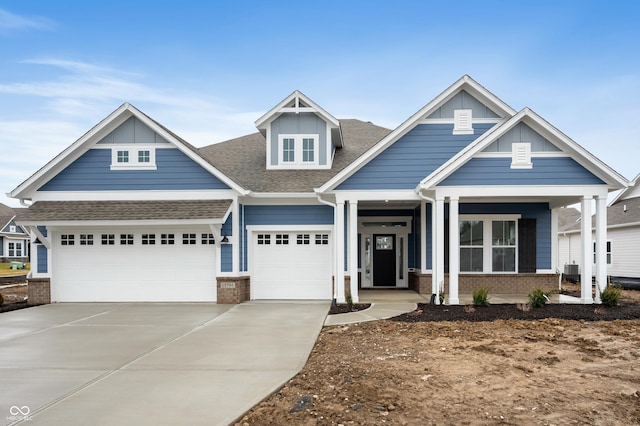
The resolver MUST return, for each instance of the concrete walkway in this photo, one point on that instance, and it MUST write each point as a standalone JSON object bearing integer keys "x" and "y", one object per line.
{"x": 149, "y": 363}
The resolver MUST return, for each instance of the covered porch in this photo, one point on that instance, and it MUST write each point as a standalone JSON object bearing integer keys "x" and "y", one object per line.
{"x": 433, "y": 247}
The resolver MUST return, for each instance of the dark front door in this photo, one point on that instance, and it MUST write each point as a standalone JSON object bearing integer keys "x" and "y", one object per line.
{"x": 384, "y": 260}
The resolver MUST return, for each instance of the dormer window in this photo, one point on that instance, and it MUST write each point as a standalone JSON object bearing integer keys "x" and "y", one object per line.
{"x": 133, "y": 158}
{"x": 298, "y": 150}
{"x": 462, "y": 122}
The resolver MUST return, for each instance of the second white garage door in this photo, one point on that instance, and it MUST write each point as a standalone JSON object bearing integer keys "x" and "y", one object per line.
{"x": 291, "y": 265}
{"x": 124, "y": 265}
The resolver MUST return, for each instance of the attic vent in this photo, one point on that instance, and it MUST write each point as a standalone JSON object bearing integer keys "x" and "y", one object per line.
{"x": 462, "y": 122}
{"x": 521, "y": 155}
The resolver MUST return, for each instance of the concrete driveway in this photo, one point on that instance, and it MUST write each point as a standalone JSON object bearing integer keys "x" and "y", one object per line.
{"x": 149, "y": 363}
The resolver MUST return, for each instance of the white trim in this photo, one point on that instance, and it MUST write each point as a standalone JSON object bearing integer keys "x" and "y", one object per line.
{"x": 54, "y": 224}
{"x": 534, "y": 154}
{"x": 502, "y": 191}
{"x": 298, "y": 152}
{"x": 273, "y": 113}
{"x": 139, "y": 195}
{"x": 541, "y": 126}
{"x": 133, "y": 154}
{"x": 450, "y": 121}
{"x": 464, "y": 83}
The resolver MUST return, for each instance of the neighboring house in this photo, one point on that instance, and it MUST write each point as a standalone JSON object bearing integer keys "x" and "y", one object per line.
{"x": 622, "y": 238}
{"x": 464, "y": 193}
{"x": 14, "y": 241}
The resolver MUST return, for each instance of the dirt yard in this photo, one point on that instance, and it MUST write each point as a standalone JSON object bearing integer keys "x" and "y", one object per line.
{"x": 542, "y": 372}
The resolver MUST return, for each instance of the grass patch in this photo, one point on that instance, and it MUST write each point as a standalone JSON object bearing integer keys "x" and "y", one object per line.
{"x": 5, "y": 270}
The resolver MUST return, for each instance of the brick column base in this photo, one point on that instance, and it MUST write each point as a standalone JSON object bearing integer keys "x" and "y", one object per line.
{"x": 39, "y": 291}
{"x": 233, "y": 290}
{"x": 420, "y": 283}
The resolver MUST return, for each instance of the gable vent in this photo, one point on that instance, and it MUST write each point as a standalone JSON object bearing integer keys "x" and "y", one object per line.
{"x": 521, "y": 155}
{"x": 462, "y": 122}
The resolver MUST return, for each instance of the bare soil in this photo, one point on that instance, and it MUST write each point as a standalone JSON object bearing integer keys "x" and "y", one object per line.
{"x": 413, "y": 370}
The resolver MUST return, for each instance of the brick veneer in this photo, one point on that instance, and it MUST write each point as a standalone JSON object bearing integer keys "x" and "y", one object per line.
{"x": 498, "y": 284}
{"x": 39, "y": 291}
{"x": 233, "y": 290}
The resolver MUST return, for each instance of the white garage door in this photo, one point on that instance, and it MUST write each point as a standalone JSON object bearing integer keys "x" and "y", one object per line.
{"x": 291, "y": 265}
{"x": 133, "y": 265}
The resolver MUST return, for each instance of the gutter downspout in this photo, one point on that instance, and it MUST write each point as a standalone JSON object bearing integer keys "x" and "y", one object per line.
{"x": 335, "y": 260}
{"x": 435, "y": 297}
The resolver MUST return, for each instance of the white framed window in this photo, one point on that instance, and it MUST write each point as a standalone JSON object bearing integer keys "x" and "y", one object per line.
{"x": 298, "y": 150}
{"x": 14, "y": 249}
{"x": 108, "y": 239}
{"x": 189, "y": 239}
{"x": 462, "y": 122}
{"x": 133, "y": 158}
{"x": 167, "y": 239}
{"x": 12, "y": 228}
{"x": 488, "y": 244}
{"x": 67, "y": 239}
{"x": 86, "y": 239}
{"x": 126, "y": 239}
{"x": 282, "y": 239}
{"x": 608, "y": 252}
{"x": 148, "y": 239}
{"x": 208, "y": 239}
{"x": 503, "y": 245}
{"x": 521, "y": 155}
{"x": 322, "y": 239}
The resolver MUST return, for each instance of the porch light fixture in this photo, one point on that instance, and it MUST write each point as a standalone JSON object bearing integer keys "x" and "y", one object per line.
{"x": 224, "y": 240}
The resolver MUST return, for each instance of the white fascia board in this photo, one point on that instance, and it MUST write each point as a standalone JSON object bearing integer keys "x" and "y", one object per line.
{"x": 520, "y": 191}
{"x": 55, "y": 224}
{"x": 621, "y": 194}
{"x": 73, "y": 151}
{"x": 464, "y": 83}
{"x": 140, "y": 195}
{"x": 538, "y": 124}
{"x": 280, "y": 199}
{"x": 280, "y": 108}
{"x": 397, "y": 195}
{"x": 301, "y": 228}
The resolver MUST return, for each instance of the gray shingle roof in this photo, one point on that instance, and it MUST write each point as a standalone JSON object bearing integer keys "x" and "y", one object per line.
{"x": 243, "y": 159}
{"x": 568, "y": 218}
{"x": 616, "y": 215}
{"x": 43, "y": 211}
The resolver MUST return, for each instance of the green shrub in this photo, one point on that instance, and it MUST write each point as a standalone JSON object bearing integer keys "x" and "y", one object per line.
{"x": 348, "y": 299}
{"x": 480, "y": 296}
{"x": 611, "y": 295}
{"x": 538, "y": 298}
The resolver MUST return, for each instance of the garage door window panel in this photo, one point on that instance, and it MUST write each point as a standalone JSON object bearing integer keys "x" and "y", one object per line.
{"x": 282, "y": 239}
{"x": 208, "y": 239}
{"x": 148, "y": 239}
{"x": 108, "y": 239}
{"x": 126, "y": 239}
{"x": 67, "y": 239}
{"x": 86, "y": 239}
{"x": 167, "y": 239}
{"x": 189, "y": 239}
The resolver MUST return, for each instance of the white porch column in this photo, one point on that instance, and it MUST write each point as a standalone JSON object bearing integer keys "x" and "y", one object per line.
{"x": 235, "y": 237}
{"x": 587, "y": 250}
{"x": 438, "y": 252}
{"x": 601, "y": 245}
{"x": 353, "y": 249}
{"x": 454, "y": 251}
{"x": 554, "y": 241}
{"x": 338, "y": 240}
{"x": 423, "y": 237}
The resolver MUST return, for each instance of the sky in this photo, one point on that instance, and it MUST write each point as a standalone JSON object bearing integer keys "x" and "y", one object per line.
{"x": 208, "y": 69}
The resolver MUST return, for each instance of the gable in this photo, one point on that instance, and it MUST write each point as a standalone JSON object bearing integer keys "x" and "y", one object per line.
{"x": 412, "y": 157}
{"x": 132, "y": 131}
{"x": 521, "y": 133}
{"x": 463, "y": 100}
{"x": 291, "y": 125}
{"x": 9, "y": 225}
{"x": 92, "y": 172}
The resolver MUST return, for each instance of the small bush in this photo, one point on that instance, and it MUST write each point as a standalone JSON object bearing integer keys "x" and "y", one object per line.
{"x": 480, "y": 296}
{"x": 348, "y": 299}
{"x": 538, "y": 298}
{"x": 611, "y": 295}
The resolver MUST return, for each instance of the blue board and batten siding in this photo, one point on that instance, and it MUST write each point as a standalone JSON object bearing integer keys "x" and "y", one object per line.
{"x": 412, "y": 157}
{"x": 297, "y": 124}
{"x": 545, "y": 171}
{"x": 92, "y": 172}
